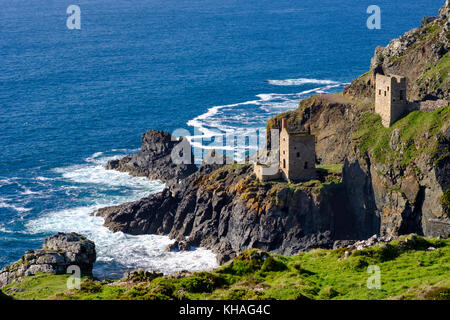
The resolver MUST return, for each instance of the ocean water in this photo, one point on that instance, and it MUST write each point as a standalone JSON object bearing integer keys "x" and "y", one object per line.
{"x": 70, "y": 100}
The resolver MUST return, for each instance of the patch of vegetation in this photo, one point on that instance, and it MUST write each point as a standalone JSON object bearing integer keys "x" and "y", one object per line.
{"x": 437, "y": 74}
{"x": 331, "y": 168}
{"x": 408, "y": 271}
{"x": 445, "y": 199}
{"x": 431, "y": 33}
{"x": 38, "y": 287}
{"x": 438, "y": 293}
{"x": 414, "y": 131}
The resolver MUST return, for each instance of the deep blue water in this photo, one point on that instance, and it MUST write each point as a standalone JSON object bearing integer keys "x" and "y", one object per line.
{"x": 72, "y": 99}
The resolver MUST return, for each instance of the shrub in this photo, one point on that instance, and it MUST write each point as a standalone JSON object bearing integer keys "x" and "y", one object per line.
{"x": 245, "y": 263}
{"x": 272, "y": 264}
{"x": 445, "y": 200}
{"x": 91, "y": 286}
{"x": 438, "y": 293}
{"x": 196, "y": 284}
{"x": 356, "y": 263}
{"x": 236, "y": 294}
{"x": 328, "y": 293}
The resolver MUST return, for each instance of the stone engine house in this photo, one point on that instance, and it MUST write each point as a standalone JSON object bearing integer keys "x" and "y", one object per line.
{"x": 297, "y": 154}
{"x": 390, "y": 98}
{"x": 297, "y": 159}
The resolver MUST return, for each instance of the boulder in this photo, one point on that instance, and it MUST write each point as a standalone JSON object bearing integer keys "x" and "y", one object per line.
{"x": 162, "y": 157}
{"x": 57, "y": 253}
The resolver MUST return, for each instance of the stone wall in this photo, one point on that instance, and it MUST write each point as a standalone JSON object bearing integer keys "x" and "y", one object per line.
{"x": 265, "y": 173}
{"x": 297, "y": 156}
{"x": 390, "y": 98}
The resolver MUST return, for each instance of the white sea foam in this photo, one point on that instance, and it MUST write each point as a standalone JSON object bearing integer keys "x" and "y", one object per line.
{"x": 97, "y": 174}
{"x": 299, "y": 82}
{"x": 92, "y": 184}
{"x": 4, "y": 204}
{"x": 5, "y": 182}
{"x": 249, "y": 118}
{"x": 43, "y": 179}
{"x": 129, "y": 252}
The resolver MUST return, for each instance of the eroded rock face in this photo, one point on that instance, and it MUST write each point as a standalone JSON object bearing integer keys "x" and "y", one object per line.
{"x": 155, "y": 160}
{"x": 57, "y": 253}
{"x": 400, "y": 199}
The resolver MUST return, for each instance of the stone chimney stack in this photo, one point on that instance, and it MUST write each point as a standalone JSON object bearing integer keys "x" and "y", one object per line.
{"x": 283, "y": 124}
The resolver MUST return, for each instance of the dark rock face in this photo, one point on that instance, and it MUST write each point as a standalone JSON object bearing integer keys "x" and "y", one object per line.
{"x": 229, "y": 211}
{"x": 155, "y": 160}
{"x": 58, "y": 253}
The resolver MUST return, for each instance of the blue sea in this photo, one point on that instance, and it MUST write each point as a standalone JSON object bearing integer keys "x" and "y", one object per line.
{"x": 70, "y": 100}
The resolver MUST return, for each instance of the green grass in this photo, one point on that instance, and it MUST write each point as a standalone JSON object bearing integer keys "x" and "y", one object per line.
{"x": 331, "y": 168}
{"x": 372, "y": 137}
{"x": 407, "y": 269}
{"x": 445, "y": 199}
{"x": 38, "y": 287}
{"x": 438, "y": 73}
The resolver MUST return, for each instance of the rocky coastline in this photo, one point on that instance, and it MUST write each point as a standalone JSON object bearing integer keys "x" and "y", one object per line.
{"x": 380, "y": 191}
{"x": 225, "y": 209}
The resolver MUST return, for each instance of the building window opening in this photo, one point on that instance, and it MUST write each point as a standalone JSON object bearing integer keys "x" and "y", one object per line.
{"x": 401, "y": 95}
{"x": 284, "y": 163}
{"x": 298, "y": 154}
{"x": 306, "y": 165}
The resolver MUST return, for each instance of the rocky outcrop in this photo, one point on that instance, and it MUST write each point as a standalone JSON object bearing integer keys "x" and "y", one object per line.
{"x": 57, "y": 253}
{"x": 161, "y": 158}
{"x": 394, "y": 187}
{"x": 229, "y": 211}
{"x": 394, "y": 199}
{"x": 394, "y": 179}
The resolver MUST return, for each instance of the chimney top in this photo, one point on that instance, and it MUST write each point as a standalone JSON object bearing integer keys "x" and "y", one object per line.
{"x": 283, "y": 124}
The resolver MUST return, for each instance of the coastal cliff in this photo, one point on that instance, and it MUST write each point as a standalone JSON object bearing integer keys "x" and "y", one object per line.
{"x": 229, "y": 211}
{"x": 397, "y": 178}
{"x": 393, "y": 180}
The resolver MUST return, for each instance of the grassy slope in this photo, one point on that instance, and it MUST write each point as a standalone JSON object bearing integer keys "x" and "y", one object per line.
{"x": 408, "y": 271}
{"x": 375, "y": 138}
